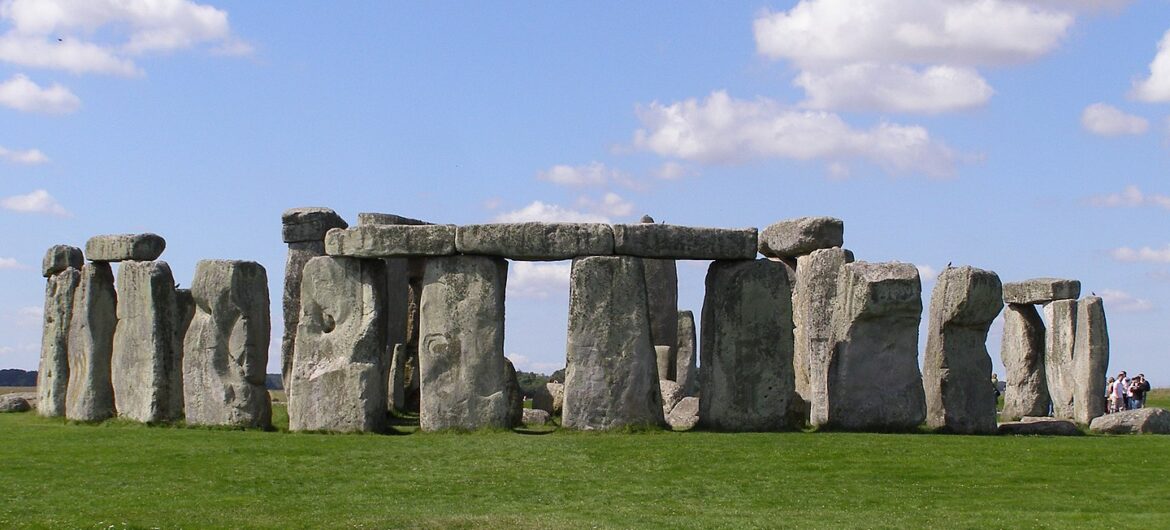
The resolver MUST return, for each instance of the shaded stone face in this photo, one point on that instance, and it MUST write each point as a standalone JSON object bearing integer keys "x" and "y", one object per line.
{"x": 370, "y": 218}
{"x": 812, "y": 316}
{"x": 1044, "y": 426}
{"x": 309, "y": 224}
{"x": 662, "y": 300}
{"x": 299, "y": 253}
{"x": 684, "y": 415}
{"x": 90, "y": 396}
{"x": 1139, "y": 421}
{"x": 391, "y": 241}
{"x": 1058, "y": 355}
{"x": 61, "y": 257}
{"x": 125, "y": 247}
{"x": 745, "y": 367}
{"x": 535, "y": 241}
{"x": 53, "y": 373}
{"x": 1041, "y": 291}
{"x": 515, "y": 395}
{"x": 144, "y": 359}
{"x": 796, "y": 237}
{"x": 1022, "y": 353}
{"x": 1090, "y": 360}
{"x": 686, "y": 355}
{"x": 684, "y": 242}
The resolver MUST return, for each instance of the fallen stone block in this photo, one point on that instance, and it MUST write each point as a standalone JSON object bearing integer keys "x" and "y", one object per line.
{"x": 684, "y": 415}
{"x": 535, "y": 417}
{"x": 90, "y": 396}
{"x": 684, "y": 242}
{"x": 1029, "y": 425}
{"x": 798, "y": 237}
{"x": 1022, "y": 353}
{"x": 11, "y": 403}
{"x": 391, "y": 241}
{"x": 535, "y": 241}
{"x": 671, "y": 394}
{"x": 1139, "y": 421}
{"x": 125, "y": 247}
{"x": 309, "y": 224}
{"x": 61, "y": 257}
{"x": 1041, "y": 291}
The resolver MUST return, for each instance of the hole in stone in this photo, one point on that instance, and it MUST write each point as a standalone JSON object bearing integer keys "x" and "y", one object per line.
{"x": 327, "y": 323}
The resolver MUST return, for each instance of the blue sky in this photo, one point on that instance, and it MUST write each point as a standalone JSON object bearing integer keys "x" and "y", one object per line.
{"x": 1029, "y": 137}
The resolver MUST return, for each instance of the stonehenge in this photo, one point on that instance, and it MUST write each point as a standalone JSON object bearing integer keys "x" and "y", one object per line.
{"x": 61, "y": 266}
{"x": 144, "y": 360}
{"x": 686, "y": 354}
{"x": 90, "y": 395}
{"x": 1090, "y": 360}
{"x": 813, "y": 295}
{"x": 1022, "y": 353}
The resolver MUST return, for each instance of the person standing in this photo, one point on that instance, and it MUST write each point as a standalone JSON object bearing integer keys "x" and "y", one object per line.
{"x": 1120, "y": 393}
{"x": 1138, "y": 389}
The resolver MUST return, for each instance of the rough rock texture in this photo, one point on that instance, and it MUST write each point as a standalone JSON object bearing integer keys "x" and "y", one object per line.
{"x": 184, "y": 313}
{"x": 1090, "y": 360}
{"x": 144, "y": 359}
{"x": 61, "y": 257}
{"x": 340, "y": 367}
{"x": 873, "y": 379}
{"x": 461, "y": 353}
{"x": 1029, "y": 425}
{"x": 611, "y": 380}
{"x": 515, "y": 395}
{"x": 1041, "y": 291}
{"x": 684, "y": 415}
{"x": 684, "y": 242}
{"x": 550, "y": 397}
{"x": 299, "y": 253}
{"x": 397, "y": 378}
{"x": 1140, "y": 421}
{"x": 1058, "y": 356}
{"x": 662, "y": 299}
{"x": 391, "y": 241}
{"x": 812, "y": 317}
{"x": 671, "y": 394}
{"x": 535, "y": 417}
{"x": 535, "y": 241}
{"x": 90, "y": 396}
{"x": 125, "y": 247}
{"x": 1022, "y": 353}
{"x": 664, "y": 361}
{"x": 745, "y": 368}
{"x": 308, "y": 224}
{"x": 956, "y": 373}
{"x": 686, "y": 355}
{"x": 797, "y": 237}
{"x": 11, "y": 403}
{"x": 370, "y": 218}
{"x": 53, "y": 374}
{"x": 225, "y": 351}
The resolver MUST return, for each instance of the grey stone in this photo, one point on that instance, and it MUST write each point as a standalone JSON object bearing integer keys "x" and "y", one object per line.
{"x": 11, "y": 403}
{"x": 340, "y": 367}
{"x": 686, "y": 355}
{"x": 461, "y": 353}
{"x": 801, "y": 236}
{"x": 144, "y": 359}
{"x": 611, "y": 380}
{"x": 61, "y": 257}
{"x": 299, "y": 253}
{"x": 1059, "y": 348}
{"x": 684, "y": 415}
{"x": 53, "y": 374}
{"x": 549, "y": 397}
{"x": 125, "y": 247}
{"x": 535, "y": 417}
{"x": 309, "y": 224}
{"x": 1041, "y": 291}
{"x": 391, "y": 241}
{"x": 225, "y": 350}
{"x": 684, "y": 242}
{"x": 1040, "y": 426}
{"x": 90, "y": 396}
{"x": 662, "y": 299}
{"x": 812, "y": 315}
{"x": 1139, "y": 421}
{"x": 370, "y": 218}
{"x": 397, "y": 378}
{"x": 184, "y": 313}
{"x": 745, "y": 367}
{"x": 671, "y": 394}
{"x": 1022, "y": 353}
{"x": 535, "y": 241}
{"x": 1090, "y": 360}
{"x": 664, "y": 361}
{"x": 515, "y": 395}
{"x": 873, "y": 379}
{"x": 960, "y": 397}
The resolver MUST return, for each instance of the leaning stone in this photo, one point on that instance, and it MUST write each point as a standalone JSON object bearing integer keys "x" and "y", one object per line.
{"x": 798, "y": 237}
{"x": 397, "y": 378}
{"x": 61, "y": 257}
{"x": 1139, "y": 421}
{"x": 535, "y": 241}
{"x": 745, "y": 367}
{"x": 1041, "y": 291}
{"x": 686, "y": 355}
{"x": 144, "y": 358}
{"x": 662, "y": 299}
{"x": 957, "y": 370}
{"x": 1040, "y": 426}
{"x": 1022, "y": 353}
{"x": 1090, "y": 360}
{"x": 515, "y": 395}
{"x": 611, "y": 379}
{"x": 90, "y": 396}
{"x": 812, "y": 315}
{"x": 671, "y": 394}
{"x": 53, "y": 374}
{"x": 225, "y": 351}
{"x": 684, "y": 242}
{"x": 309, "y": 224}
{"x": 11, "y": 403}
{"x": 369, "y": 218}
{"x": 873, "y": 379}
{"x": 125, "y": 247}
{"x": 1058, "y": 355}
{"x": 339, "y": 373}
{"x": 685, "y": 415}
{"x": 391, "y": 241}
{"x": 535, "y": 417}
{"x": 461, "y": 355}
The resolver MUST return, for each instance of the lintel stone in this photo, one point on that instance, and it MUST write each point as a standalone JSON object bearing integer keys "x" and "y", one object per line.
{"x": 391, "y": 241}
{"x": 1041, "y": 291}
{"x": 684, "y": 242}
{"x": 309, "y": 224}
{"x": 125, "y": 247}
{"x": 796, "y": 237}
{"x": 535, "y": 241}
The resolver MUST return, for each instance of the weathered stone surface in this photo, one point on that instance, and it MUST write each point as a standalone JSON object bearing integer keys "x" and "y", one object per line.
{"x": 299, "y": 253}
{"x": 686, "y": 355}
{"x": 664, "y": 361}
{"x": 535, "y": 417}
{"x": 11, "y": 403}
{"x": 309, "y": 224}
{"x": 957, "y": 370}
{"x": 549, "y": 397}
{"x": 611, "y": 380}
{"x": 1041, "y": 291}
{"x": 873, "y": 379}
{"x": 1139, "y": 421}
{"x": 184, "y": 313}
{"x": 370, "y": 218}
{"x": 461, "y": 353}
{"x": 1058, "y": 356}
{"x": 53, "y": 374}
{"x": 391, "y": 241}
{"x": 797, "y": 237}
{"x": 684, "y": 242}
{"x": 662, "y": 299}
{"x": 125, "y": 247}
{"x": 812, "y": 317}
{"x": 1044, "y": 426}
{"x": 671, "y": 394}
{"x": 397, "y": 378}
{"x": 225, "y": 350}
{"x": 1090, "y": 360}
{"x": 144, "y": 359}
{"x": 535, "y": 241}
{"x": 339, "y": 372}
{"x": 1022, "y": 353}
{"x": 61, "y": 257}
{"x": 745, "y": 367}
{"x": 515, "y": 395}
{"x": 90, "y": 396}
{"x": 684, "y": 415}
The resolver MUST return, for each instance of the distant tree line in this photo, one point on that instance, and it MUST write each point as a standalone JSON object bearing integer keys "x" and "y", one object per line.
{"x": 15, "y": 377}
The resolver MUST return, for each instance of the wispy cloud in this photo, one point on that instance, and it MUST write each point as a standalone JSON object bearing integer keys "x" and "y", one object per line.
{"x": 39, "y": 201}
{"x": 1130, "y": 197}
{"x": 1144, "y": 254}
{"x": 22, "y": 94}
{"x": 1123, "y": 302}
{"x": 11, "y": 264}
{"x": 28, "y": 156}
{"x": 549, "y": 213}
{"x": 1106, "y": 120}
{"x": 538, "y": 280}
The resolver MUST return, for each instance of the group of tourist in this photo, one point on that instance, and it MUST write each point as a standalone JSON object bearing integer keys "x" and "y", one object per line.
{"x": 1124, "y": 393}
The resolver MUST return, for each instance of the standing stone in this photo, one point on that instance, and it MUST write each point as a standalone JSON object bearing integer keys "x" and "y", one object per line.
{"x": 797, "y": 237}
{"x": 812, "y": 315}
{"x": 304, "y": 230}
{"x": 53, "y": 374}
{"x": 184, "y": 313}
{"x": 957, "y": 370}
{"x": 515, "y": 395}
{"x": 671, "y": 395}
{"x": 664, "y": 360}
{"x": 144, "y": 357}
{"x": 611, "y": 379}
{"x": 340, "y": 367}
{"x": 461, "y": 353}
{"x": 549, "y": 397}
{"x": 61, "y": 257}
{"x": 225, "y": 350}
{"x": 686, "y": 355}
{"x": 745, "y": 368}
{"x": 1022, "y": 353}
{"x": 1058, "y": 355}
{"x": 662, "y": 297}
{"x": 1090, "y": 360}
{"x": 91, "y": 343}
{"x": 397, "y": 378}
{"x": 873, "y": 379}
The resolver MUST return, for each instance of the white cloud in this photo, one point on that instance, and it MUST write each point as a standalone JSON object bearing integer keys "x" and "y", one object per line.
{"x": 721, "y": 129}
{"x": 527, "y": 279}
{"x": 28, "y": 156}
{"x": 592, "y": 174}
{"x": 38, "y": 201}
{"x": 894, "y": 87}
{"x": 1130, "y": 197}
{"x": 549, "y": 213}
{"x": 1147, "y": 254}
{"x": 671, "y": 170}
{"x": 1123, "y": 302}
{"x": 1156, "y": 87}
{"x": 10, "y": 263}
{"x": 22, "y": 94}
{"x": 1107, "y": 120}
{"x": 525, "y": 364}
{"x": 928, "y": 273}
{"x": 610, "y": 205}
{"x": 73, "y": 56}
